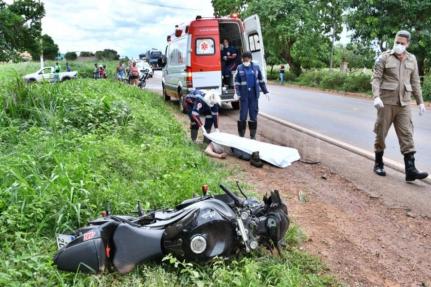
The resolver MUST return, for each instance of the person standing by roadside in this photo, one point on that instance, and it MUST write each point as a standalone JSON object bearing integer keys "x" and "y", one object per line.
{"x": 282, "y": 73}
{"x": 248, "y": 83}
{"x": 57, "y": 72}
{"x": 121, "y": 72}
{"x": 68, "y": 68}
{"x": 134, "y": 74}
{"x": 96, "y": 71}
{"x": 395, "y": 80}
{"x": 102, "y": 73}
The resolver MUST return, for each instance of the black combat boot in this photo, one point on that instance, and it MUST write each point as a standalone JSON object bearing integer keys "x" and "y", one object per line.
{"x": 252, "y": 126}
{"x": 242, "y": 125}
{"x": 255, "y": 160}
{"x": 194, "y": 131}
{"x": 411, "y": 172}
{"x": 379, "y": 167}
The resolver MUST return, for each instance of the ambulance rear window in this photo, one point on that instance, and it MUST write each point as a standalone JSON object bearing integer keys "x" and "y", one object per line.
{"x": 205, "y": 46}
{"x": 254, "y": 42}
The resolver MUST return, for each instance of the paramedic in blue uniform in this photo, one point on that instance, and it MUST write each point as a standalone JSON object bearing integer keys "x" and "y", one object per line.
{"x": 206, "y": 103}
{"x": 229, "y": 57}
{"x": 248, "y": 84}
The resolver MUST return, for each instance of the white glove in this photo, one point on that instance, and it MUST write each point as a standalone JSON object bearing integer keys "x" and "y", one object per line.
{"x": 217, "y": 130}
{"x": 267, "y": 96}
{"x": 204, "y": 131}
{"x": 378, "y": 104}
{"x": 422, "y": 109}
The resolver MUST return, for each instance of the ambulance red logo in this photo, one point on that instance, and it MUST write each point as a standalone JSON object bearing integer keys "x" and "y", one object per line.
{"x": 204, "y": 46}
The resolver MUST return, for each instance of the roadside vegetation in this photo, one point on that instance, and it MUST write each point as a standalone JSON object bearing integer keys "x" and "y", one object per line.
{"x": 357, "y": 81}
{"x": 69, "y": 150}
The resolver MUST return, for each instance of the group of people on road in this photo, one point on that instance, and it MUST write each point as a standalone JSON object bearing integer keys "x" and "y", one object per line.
{"x": 99, "y": 71}
{"x": 130, "y": 74}
{"x": 248, "y": 85}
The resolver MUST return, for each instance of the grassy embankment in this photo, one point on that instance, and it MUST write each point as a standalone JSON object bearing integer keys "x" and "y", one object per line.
{"x": 69, "y": 149}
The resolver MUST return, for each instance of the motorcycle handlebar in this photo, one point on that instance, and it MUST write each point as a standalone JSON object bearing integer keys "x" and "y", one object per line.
{"x": 236, "y": 199}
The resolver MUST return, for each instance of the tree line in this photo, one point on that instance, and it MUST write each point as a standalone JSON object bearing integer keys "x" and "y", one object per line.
{"x": 302, "y": 32}
{"x": 21, "y": 30}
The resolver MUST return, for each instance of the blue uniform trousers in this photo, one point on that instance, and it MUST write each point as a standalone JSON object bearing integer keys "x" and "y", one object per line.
{"x": 249, "y": 106}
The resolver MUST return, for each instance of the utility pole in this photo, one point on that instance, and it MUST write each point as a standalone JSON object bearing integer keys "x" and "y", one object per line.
{"x": 332, "y": 48}
{"x": 41, "y": 52}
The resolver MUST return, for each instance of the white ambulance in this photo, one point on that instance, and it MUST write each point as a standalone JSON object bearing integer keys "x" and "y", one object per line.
{"x": 193, "y": 56}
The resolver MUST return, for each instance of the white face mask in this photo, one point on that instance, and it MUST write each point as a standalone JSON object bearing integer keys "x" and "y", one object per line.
{"x": 399, "y": 49}
{"x": 247, "y": 64}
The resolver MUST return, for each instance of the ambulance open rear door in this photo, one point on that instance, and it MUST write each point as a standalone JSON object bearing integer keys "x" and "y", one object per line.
{"x": 254, "y": 41}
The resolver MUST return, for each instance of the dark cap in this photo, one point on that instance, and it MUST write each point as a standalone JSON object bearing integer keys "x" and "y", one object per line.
{"x": 405, "y": 34}
{"x": 247, "y": 55}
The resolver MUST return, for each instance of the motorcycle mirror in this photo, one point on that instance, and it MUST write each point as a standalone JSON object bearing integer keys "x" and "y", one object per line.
{"x": 240, "y": 190}
{"x": 140, "y": 212}
{"x": 204, "y": 189}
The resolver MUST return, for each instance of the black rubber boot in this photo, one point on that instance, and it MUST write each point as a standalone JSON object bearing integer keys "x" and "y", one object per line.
{"x": 379, "y": 167}
{"x": 242, "y": 126}
{"x": 411, "y": 172}
{"x": 252, "y": 126}
{"x": 194, "y": 131}
{"x": 255, "y": 160}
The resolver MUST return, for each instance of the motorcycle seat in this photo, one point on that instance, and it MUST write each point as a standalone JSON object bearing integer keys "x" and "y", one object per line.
{"x": 134, "y": 245}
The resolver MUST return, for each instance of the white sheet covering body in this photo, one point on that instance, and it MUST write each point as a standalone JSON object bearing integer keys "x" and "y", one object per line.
{"x": 279, "y": 156}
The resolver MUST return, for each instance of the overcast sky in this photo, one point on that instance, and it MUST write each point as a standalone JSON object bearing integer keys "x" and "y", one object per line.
{"x": 128, "y": 26}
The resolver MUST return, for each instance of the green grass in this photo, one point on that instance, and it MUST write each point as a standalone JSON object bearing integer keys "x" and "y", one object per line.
{"x": 68, "y": 150}
{"x": 357, "y": 81}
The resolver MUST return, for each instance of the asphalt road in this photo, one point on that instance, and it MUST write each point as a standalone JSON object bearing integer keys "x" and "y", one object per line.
{"x": 343, "y": 118}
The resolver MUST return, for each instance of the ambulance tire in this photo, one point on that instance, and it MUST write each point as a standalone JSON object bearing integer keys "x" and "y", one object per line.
{"x": 165, "y": 95}
{"x": 235, "y": 105}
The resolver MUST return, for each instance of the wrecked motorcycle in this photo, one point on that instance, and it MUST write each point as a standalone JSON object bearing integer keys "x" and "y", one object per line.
{"x": 198, "y": 229}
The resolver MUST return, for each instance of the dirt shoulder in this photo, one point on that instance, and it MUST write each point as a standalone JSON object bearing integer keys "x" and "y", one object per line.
{"x": 369, "y": 231}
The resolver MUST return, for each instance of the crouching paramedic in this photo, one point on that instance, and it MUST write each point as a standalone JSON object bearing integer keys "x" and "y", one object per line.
{"x": 248, "y": 83}
{"x": 206, "y": 103}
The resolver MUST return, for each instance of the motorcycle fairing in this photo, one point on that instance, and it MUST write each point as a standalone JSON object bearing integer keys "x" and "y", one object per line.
{"x": 89, "y": 252}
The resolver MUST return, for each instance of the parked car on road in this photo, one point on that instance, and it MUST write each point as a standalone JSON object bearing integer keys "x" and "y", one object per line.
{"x": 48, "y": 74}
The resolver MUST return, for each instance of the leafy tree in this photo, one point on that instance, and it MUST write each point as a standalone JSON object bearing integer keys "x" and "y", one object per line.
{"x": 357, "y": 55}
{"x": 86, "y": 54}
{"x": 107, "y": 54}
{"x": 227, "y": 7}
{"x": 272, "y": 59}
{"x": 380, "y": 20}
{"x": 71, "y": 56}
{"x": 50, "y": 49}
{"x": 20, "y": 27}
{"x": 298, "y": 30}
